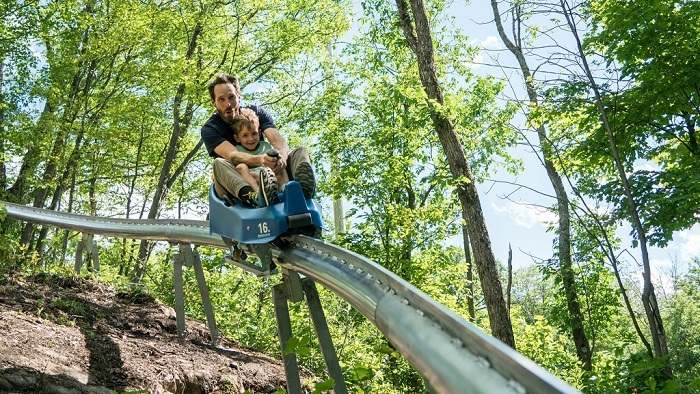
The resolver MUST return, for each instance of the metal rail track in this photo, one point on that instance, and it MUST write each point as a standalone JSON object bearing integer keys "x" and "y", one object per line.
{"x": 453, "y": 355}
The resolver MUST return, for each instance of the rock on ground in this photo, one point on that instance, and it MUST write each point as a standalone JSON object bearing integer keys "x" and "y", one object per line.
{"x": 71, "y": 335}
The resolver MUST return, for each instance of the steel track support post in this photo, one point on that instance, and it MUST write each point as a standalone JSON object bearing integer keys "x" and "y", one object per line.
{"x": 292, "y": 285}
{"x": 284, "y": 331}
{"x": 324, "y": 336}
{"x": 94, "y": 254}
{"x": 204, "y": 292}
{"x": 79, "y": 255}
{"x": 179, "y": 294}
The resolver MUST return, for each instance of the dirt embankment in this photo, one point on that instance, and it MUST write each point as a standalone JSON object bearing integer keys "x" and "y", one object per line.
{"x": 70, "y": 335}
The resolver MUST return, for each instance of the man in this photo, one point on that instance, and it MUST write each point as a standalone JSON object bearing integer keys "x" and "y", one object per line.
{"x": 225, "y": 93}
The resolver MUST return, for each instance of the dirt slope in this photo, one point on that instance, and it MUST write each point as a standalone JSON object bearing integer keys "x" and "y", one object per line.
{"x": 70, "y": 335}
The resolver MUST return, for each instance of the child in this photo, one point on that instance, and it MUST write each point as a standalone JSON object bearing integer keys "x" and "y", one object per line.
{"x": 247, "y": 113}
{"x": 262, "y": 179}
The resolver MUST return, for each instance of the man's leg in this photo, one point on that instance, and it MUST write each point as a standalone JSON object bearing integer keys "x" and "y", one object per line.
{"x": 299, "y": 169}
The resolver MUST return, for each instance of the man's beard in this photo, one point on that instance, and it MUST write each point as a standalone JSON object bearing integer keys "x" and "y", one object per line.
{"x": 228, "y": 117}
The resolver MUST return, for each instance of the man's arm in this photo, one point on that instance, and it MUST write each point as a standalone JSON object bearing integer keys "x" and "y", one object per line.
{"x": 278, "y": 142}
{"x": 230, "y": 153}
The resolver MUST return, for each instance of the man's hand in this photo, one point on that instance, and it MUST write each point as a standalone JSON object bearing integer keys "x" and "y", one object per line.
{"x": 268, "y": 161}
{"x": 280, "y": 164}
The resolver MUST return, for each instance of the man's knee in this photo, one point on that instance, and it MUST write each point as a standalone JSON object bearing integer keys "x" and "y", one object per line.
{"x": 241, "y": 167}
{"x": 220, "y": 164}
{"x": 299, "y": 152}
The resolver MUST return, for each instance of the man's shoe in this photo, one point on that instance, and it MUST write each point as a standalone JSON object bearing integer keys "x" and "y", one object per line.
{"x": 304, "y": 174}
{"x": 268, "y": 186}
{"x": 249, "y": 197}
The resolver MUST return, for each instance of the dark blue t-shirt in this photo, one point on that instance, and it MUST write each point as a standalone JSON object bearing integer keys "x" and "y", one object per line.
{"x": 216, "y": 130}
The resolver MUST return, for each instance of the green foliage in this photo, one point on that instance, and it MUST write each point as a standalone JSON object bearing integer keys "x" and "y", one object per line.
{"x": 545, "y": 345}
{"x": 683, "y": 328}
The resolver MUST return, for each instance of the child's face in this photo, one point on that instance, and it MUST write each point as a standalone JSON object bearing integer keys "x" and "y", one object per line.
{"x": 248, "y": 138}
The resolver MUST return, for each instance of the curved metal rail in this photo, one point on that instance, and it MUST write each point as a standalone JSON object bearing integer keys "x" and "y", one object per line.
{"x": 171, "y": 230}
{"x": 453, "y": 355}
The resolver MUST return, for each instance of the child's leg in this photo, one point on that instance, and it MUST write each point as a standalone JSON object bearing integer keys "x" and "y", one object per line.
{"x": 268, "y": 184}
{"x": 246, "y": 175}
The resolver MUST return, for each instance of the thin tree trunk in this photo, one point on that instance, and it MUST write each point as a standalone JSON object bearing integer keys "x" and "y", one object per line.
{"x": 692, "y": 134}
{"x": 510, "y": 276}
{"x": 651, "y": 307}
{"x": 17, "y": 193}
{"x": 470, "y": 273}
{"x": 60, "y": 188}
{"x": 583, "y": 349}
{"x": 338, "y": 216}
{"x": 42, "y": 191}
{"x": 69, "y": 116}
{"x": 607, "y": 248}
{"x": 420, "y": 41}
{"x": 3, "y": 171}
{"x": 166, "y": 178}
{"x": 66, "y": 233}
{"x": 126, "y": 256}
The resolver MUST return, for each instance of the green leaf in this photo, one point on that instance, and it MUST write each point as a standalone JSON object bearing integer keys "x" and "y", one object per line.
{"x": 325, "y": 385}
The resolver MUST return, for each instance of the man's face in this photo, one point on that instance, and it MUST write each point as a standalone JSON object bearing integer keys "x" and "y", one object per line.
{"x": 226, "y": 101}
{"x": 248, "y": 138}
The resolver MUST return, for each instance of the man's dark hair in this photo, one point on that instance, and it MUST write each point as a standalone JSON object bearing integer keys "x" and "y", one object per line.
{"x": 240, "y": 123}
{"x": 223, "y": 78}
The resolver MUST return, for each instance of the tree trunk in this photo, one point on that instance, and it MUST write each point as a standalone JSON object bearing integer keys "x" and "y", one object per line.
{"x": 3, "y": 171}
{"x": 420, "y": 41}
{"x": 692, "y": 134}
{"x": 651, "y": 306}
{"x": 165, "y": 177}
{"x": 61, "y": 185}
{"x": 69, "y": 115}
{"x": 17, "y": 193}
{"x": 583, "y": 349}
{"x": 66, "y": 233}
{"x": 607, "y": 248}
{"x": 126, "y": 256}
{"x": 510, "y": 276}
{"x": 48, "y": 177}
{"x": 470, "y": 273}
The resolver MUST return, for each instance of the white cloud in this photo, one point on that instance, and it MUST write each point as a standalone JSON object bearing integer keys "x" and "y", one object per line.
{"x": 690, "y": 243}
{"x": 490, "y": 42}
{"x": 526, "y": 216}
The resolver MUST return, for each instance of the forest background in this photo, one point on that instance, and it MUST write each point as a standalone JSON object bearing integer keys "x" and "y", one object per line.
{"x": 408, "y": 117}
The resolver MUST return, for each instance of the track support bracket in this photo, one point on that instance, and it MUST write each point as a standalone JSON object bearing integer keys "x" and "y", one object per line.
{"x": 293, "y": 288}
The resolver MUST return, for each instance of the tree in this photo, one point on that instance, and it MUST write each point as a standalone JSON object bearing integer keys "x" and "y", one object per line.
{"x": 568, "y": 281}
{"x": 648, "y": 296}
{"x": 418, "y": 37}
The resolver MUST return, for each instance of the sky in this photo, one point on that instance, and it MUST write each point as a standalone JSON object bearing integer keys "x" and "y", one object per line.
{"x": 516, "y": 220}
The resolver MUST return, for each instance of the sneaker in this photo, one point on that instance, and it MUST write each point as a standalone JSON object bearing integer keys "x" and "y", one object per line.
{"x": 304, "y": 174}
{"x": 268, "y": 186}
{"x": 249, "y": 197}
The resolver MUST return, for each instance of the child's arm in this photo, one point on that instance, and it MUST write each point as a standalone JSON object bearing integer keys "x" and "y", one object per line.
{"x": 230, "y": 153}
